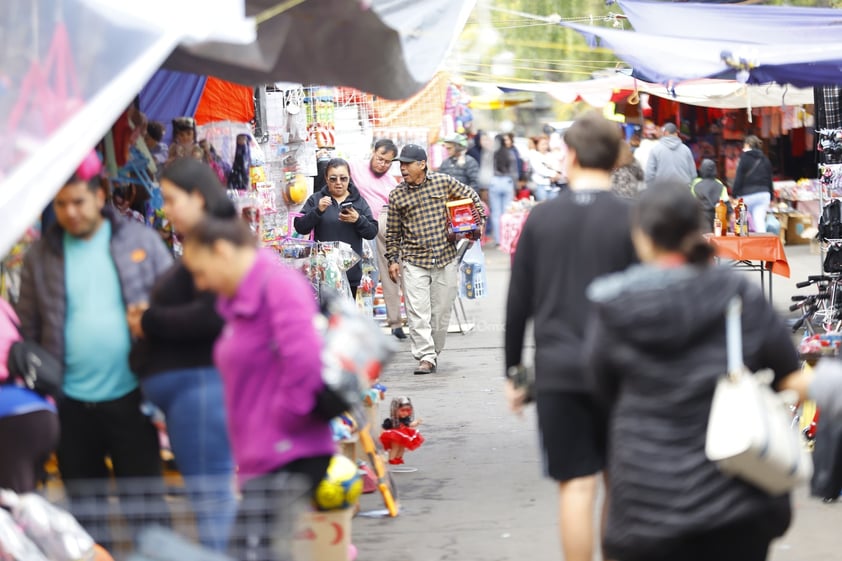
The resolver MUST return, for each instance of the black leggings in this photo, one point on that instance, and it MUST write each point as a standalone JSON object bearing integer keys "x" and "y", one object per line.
{"x": 26, "y": 442}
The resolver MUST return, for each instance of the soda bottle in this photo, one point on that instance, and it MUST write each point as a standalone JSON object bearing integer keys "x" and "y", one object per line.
{"x": 720, "y": 227}
{"x": 744, "y": 222}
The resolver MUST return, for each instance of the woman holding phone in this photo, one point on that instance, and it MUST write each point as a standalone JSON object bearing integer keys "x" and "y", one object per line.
{"x": 337, "y": 213}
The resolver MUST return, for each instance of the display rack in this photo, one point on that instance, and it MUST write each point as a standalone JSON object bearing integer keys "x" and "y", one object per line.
{"x": 830, "y": 178}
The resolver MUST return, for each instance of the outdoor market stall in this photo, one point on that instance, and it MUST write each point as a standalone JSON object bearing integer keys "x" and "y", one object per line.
{"x": 761, "y": 253}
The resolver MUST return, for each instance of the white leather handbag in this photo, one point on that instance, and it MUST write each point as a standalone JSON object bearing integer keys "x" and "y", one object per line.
{"x": 751, "y": 434}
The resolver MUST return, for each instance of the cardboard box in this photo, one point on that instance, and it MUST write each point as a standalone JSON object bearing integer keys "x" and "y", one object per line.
{"x": 323, "y": 536}
{"x": 796, "y": 225}
{"x": 348, "y": 447}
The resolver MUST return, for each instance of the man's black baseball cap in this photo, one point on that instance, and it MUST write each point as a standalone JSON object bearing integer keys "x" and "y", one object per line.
{"x": 412, "y": 153}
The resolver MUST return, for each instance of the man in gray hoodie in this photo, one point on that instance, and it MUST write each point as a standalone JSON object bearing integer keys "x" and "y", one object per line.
{"x": 670, "y": 162}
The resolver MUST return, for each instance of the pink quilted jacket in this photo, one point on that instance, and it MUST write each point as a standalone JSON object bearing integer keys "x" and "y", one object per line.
{"x": 8, "y": 335}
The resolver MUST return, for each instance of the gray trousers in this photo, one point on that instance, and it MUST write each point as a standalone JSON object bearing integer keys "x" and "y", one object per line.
{"x": 429, "y": 295}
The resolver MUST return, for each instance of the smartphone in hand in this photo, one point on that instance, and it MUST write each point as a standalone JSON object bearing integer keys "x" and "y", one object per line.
{"x": 345, "y": 207}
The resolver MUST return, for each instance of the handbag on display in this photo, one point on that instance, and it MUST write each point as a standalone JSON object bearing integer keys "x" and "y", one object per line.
{"x": 751, "y": 434}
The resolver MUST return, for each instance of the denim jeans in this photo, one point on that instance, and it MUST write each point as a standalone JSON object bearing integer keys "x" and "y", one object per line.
{"x": 540, "y": 192}
{"x": 758, "y": 206}
{"x": 192, "y": 402}
{"x": 500, "y": 195}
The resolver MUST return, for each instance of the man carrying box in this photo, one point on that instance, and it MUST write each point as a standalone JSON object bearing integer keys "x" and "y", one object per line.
{"x": 421, "y": 248}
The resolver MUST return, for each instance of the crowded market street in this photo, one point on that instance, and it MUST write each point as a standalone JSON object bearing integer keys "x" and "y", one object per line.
{"x": 478, "y": 494}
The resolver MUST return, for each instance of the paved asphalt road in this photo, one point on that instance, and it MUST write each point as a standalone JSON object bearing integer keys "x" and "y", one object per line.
{"x": 478, "y": 493}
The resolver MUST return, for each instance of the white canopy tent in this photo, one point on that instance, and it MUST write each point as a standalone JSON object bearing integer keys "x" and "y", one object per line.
{"x": 723, "y": 94}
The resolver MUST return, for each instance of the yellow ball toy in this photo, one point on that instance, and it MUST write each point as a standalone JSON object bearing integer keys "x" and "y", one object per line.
{"x": 341, "y": 486}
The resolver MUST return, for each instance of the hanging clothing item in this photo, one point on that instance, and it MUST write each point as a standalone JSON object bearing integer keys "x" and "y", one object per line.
{"x": 239, "y": 177}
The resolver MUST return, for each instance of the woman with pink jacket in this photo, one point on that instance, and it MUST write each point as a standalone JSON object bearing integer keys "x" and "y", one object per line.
{"x": 29, "y": 428}
{"x": 269, "y": 356}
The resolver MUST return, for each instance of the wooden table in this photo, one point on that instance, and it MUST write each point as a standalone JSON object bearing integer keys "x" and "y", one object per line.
{"x": 763, "y": 253}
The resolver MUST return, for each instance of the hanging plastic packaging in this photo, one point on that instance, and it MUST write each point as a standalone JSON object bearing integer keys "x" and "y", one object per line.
{"x": 472, "y": 274}
{"x": 58, "y": 535}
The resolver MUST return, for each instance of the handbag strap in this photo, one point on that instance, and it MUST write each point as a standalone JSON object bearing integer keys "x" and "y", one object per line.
{"x": 754, "y": 167}
{"x": 734, "y": 336}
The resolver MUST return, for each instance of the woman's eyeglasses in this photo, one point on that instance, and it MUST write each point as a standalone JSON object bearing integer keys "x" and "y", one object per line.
{"x": 339, "y": 179}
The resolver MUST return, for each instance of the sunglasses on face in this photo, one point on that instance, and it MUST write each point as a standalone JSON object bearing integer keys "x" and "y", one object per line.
{"x": 339, "y": 178}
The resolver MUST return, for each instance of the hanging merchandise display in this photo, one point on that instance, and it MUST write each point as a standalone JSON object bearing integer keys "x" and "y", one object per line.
{"x": 321, "y": 122}
{"x": 457, "y": 110}
{"x": 830, "y": 196}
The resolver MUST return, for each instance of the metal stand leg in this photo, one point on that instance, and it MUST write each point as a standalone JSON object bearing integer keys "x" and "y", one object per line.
{"x": 763, "y": 279}
{"x": 462, "y": 322}
{"x": 769, "y": 272}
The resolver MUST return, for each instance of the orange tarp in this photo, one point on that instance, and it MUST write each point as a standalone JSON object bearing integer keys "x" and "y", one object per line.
{"x": 225, "y": 101}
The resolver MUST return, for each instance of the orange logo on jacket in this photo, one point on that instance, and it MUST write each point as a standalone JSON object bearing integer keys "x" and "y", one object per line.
{"x": 138, "y": 255}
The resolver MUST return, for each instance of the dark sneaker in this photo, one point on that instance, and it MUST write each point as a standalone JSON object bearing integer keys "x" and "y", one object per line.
{"x": 425, "y": 367}
{"x": 398, "y": 332}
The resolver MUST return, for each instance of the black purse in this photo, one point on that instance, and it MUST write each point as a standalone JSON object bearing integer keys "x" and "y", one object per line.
{"x": 330, "y": 403}
{"x": 39, "y": 371}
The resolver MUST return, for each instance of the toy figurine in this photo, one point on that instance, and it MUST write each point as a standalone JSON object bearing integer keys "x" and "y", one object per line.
{"x": 399, "y": 432}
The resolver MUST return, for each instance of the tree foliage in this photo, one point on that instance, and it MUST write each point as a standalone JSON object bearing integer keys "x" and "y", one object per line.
{"x": 495, "y": 41}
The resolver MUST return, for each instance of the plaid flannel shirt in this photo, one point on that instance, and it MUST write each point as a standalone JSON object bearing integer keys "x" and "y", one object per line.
{"x": 416, "y": 228}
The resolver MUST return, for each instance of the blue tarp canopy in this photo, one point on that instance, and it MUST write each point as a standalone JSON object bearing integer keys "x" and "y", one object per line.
{"x": 755, "y": 44}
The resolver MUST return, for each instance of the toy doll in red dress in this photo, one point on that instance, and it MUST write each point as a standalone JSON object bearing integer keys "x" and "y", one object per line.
{"x": 399, "y": 432}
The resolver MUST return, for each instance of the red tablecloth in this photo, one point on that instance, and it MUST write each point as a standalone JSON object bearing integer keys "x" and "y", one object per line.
{"x": 755, "y": 247}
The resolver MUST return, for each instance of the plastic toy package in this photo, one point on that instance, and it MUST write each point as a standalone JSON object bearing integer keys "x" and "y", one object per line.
{"x": 472, "y": 274}
{"x": 328, "y": 264}
{"x": 14, "y": 545}
{"x": 461, "y": 215}
{"x": 824, "y": 344}
{"x": 52, "y": 530}
{"x": 355, "y": 349}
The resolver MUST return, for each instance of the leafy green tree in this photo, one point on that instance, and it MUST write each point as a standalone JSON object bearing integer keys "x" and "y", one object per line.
{"x": 522, "y": 49}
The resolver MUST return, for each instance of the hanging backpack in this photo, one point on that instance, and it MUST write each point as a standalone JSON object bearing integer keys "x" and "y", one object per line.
{"x": 833, "y": 259}
{"x": 830, "y": 223}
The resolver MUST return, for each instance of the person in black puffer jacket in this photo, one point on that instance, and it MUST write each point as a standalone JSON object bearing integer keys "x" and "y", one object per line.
{"x": 753, "y": 181}
{"x": 324, "y": 217}
{"x": 709, "y": 190}
{"x": 655, "y": 350}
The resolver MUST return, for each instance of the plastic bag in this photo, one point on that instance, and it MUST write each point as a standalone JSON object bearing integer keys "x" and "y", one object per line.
{"x": 354, "y": 352}
{"x": 329, "y": 264}
{"x": 368, "y": 264}
{"x": 14, "y": 545}
{"x": 472, "y": 274}
{"x": 52, "y": 529}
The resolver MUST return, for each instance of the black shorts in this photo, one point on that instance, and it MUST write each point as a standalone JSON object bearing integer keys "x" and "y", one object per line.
{"x": 573, "y": 434}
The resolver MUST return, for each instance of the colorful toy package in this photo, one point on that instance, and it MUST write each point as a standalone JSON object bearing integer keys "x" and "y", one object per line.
{"x": 461, "y": 215}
